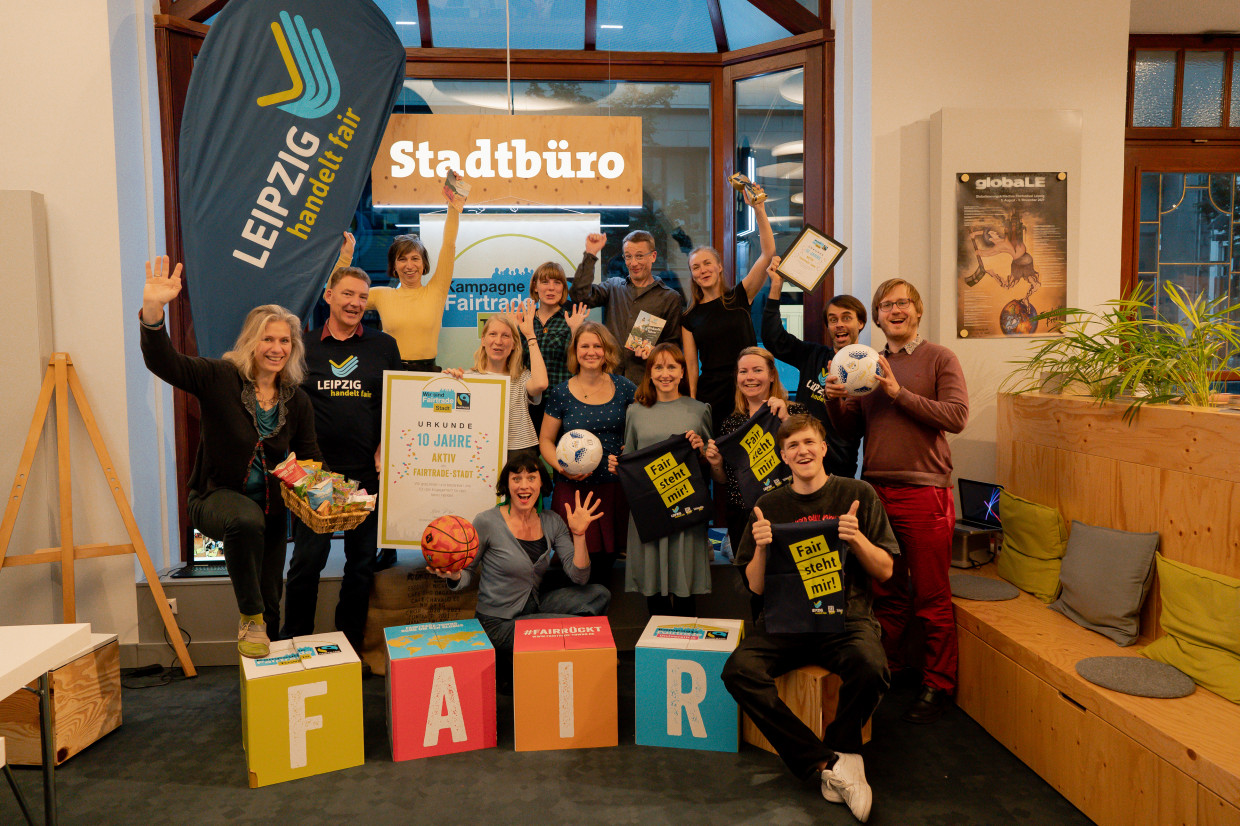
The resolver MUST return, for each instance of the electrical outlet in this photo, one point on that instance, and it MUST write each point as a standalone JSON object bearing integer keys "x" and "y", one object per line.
{"x": 172, "y": 604}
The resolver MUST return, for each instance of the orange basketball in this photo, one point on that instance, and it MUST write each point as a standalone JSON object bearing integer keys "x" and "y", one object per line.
{"x": 449, "y": 543}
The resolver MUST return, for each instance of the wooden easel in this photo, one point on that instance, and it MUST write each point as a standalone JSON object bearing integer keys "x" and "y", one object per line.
{"x": 62, "y": 378}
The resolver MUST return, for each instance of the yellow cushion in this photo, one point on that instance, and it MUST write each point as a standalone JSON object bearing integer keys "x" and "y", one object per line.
{"x": 1201, "y": 615}
{"x": 1034, "y": 538}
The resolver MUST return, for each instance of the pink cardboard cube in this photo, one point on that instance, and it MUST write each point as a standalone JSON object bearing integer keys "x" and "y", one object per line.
{"x": 441, "y": 688}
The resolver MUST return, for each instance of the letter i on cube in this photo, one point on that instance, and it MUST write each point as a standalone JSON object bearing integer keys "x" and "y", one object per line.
{"x": 564, "y": 684}
{"x": 440, "y": 687}
{"x": 301, "y": 709}
{"x": 680, "y": 698}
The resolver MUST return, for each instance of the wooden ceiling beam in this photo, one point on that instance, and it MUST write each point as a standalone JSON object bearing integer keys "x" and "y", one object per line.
{"x": 424, "y": 23}
{"x": 790, "y": 14}
{"x": 591, "y": 41}
{"x": 199, "y": 10}
{"x": 716, "y": 23}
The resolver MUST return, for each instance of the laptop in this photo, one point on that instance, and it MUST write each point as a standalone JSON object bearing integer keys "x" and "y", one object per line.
{"x": 979, "y": 507}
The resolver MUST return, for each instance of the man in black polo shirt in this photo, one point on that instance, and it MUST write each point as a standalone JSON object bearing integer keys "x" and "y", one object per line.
{"x": 796, "y": 630}
{"x": 344, "y": 379}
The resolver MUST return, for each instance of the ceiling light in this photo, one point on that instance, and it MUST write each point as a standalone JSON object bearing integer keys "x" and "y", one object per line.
{"x": 787, "y": 170}
{"x": 789, "y": 148}
{"x": 609, "y": 26}
{"x": 405, "y": 22}
{"x": 792, "y": 89}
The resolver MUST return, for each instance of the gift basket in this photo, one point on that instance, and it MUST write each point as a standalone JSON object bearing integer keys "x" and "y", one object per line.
{"x": 326, "y": 502}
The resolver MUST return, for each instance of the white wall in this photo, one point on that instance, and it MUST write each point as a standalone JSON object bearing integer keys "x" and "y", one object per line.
{"x": 67, "y": 135}
{"x": 976, "y": 55}
{"x": 1195, "y": 17}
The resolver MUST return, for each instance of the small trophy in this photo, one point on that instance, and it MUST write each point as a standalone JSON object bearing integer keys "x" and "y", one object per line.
{"x": 742, "y": 184}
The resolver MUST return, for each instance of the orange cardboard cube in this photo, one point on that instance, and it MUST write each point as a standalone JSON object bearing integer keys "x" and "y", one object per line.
{"x": 564, "y": 684}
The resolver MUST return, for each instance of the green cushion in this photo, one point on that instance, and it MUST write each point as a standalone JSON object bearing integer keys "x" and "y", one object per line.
{"x": 1201, "y": 615}
{"x": 1034, "y": 538}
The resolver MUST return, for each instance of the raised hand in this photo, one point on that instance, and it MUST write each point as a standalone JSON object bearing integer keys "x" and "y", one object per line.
{"x": 756, "y": 188}
{"x": 762, "y": 534}
{"x": 347, "y": 244}
{"x": 454, "y": 199}
{"x": 849, "y": 527}
{"x": 579, "y": 518}
{"x": 777, "y": 280}
{"x": 577, "y": 317}
{"x": 523, "y": 314}
{"x": 595, "y": 242}
{"x": 887, "y": 380}
{"x": 162, "y": 285}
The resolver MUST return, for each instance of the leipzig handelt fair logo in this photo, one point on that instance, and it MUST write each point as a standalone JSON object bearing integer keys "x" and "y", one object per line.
{"x": 315, "y": 89}
{"x": 344, "y": 368}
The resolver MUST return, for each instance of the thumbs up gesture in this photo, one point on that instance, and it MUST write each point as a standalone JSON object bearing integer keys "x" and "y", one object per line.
{"x": 761, "y": 529}
{"x": 849, "y": 527}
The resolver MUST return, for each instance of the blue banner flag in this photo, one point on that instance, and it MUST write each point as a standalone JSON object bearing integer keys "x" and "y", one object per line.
{"x": 285, "y": 110}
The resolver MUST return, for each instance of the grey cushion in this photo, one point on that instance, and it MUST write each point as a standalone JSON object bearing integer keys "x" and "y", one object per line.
{"x": 967, "y": 586}
{"x": 1105, "y": 576}
{"x": 1137, "y": 676}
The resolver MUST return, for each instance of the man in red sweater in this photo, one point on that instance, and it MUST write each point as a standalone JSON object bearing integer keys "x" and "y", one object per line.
{"x": 921, "y": 397}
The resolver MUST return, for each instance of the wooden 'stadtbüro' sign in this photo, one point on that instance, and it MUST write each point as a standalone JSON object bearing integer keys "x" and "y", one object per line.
{"x": 511, "y": 159}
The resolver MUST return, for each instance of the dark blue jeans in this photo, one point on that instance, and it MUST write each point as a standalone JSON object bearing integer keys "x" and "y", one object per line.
{"x": 255, "y": 544}
{"x": 310, "y": 552}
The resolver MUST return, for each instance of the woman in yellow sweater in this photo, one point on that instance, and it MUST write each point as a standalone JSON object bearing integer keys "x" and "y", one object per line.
{"x": 413, "y": 312}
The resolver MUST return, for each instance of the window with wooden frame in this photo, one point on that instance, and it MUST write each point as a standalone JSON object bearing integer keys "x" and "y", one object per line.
{"x": 1182, "y": 168}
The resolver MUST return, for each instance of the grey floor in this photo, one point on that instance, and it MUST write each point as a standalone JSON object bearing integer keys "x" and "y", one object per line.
{"x": 177, "y": 759}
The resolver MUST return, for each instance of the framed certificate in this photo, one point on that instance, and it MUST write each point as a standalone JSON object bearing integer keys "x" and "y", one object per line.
{"x": 809, "y": 258}
{"x": 444, "y": 442}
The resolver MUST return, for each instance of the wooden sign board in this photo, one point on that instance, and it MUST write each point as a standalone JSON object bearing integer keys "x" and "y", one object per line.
{"x": 511, "y": 159}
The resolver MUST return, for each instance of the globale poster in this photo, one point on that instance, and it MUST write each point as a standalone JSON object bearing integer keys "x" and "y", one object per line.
{"x": 1012, "y": 252}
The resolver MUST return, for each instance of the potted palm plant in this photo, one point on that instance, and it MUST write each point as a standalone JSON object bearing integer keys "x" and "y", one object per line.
{"x": 1128, "y": 351}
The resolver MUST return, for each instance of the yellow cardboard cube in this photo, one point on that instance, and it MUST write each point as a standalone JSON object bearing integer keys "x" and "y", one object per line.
{"x": 301, "y": 709}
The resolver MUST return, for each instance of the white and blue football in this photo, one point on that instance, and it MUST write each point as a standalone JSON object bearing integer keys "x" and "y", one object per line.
{"x": 857, "y": 368}
{"x": 579, "y": 451}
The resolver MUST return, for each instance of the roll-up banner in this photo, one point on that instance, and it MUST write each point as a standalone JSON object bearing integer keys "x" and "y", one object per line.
{"x": 285, "y": 109}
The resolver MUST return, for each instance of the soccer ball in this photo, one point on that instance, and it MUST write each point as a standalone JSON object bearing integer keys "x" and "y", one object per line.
{"x": 449, "y": 543}
{"x": 579, "y": 451}
{"x": 857, "y": 368}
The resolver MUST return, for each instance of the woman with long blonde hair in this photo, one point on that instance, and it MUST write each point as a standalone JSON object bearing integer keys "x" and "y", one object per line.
{"x": 254, "y": 413}
{"x": 499, "y": 353}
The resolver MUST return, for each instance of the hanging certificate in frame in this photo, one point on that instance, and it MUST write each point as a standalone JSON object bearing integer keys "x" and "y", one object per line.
{"x": 812, "y": 254}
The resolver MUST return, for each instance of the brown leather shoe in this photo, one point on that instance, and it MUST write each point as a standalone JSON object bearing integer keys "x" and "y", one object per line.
{"x": 928, "y": 706}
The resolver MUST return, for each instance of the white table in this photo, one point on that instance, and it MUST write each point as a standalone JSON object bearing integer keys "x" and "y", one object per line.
{"x": 29, "y": 652}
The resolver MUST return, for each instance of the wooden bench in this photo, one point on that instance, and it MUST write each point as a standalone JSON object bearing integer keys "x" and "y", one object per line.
{"x": 1120, "y": 759}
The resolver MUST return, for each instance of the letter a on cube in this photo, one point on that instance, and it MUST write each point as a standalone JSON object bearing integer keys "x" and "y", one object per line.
{"x": 301, "y": 709}
{"x": 680, "y": 698}
{"x": 441, "y": 688}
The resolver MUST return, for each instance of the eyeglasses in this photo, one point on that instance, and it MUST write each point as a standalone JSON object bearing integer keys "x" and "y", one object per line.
{"x": 901, "y": 303}
{"x": 637, "y": 256}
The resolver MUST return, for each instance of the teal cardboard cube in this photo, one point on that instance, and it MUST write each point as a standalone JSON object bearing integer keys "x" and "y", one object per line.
{"x": 680, "y": 698}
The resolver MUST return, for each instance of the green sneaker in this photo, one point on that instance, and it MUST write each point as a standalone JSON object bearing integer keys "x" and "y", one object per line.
{"x": 252, "y": 640}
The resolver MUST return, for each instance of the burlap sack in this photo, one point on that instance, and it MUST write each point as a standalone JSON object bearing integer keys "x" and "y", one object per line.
{"x": 403, "y": 595}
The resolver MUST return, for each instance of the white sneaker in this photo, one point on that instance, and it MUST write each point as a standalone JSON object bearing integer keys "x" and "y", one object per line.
{"x": 845, "y": 783}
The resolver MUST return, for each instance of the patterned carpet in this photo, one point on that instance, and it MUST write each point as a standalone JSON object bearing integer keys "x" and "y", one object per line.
{"x": 177, "y": 759}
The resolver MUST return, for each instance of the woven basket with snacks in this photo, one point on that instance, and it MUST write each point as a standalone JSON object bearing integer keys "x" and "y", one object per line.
{"x": 342, "y": 521}
{"x": 326, "y": 502}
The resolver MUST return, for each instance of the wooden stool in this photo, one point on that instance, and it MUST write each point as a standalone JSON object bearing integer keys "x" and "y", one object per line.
{"x": 812, "y": 693}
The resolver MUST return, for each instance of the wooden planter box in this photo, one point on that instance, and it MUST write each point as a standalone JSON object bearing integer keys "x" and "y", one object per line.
{"x": 86, "y": 705}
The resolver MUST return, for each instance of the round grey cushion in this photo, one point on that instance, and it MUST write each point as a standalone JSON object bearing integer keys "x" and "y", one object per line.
{"x": 1136, "y": 676}
{"x": 967, "y": 586}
